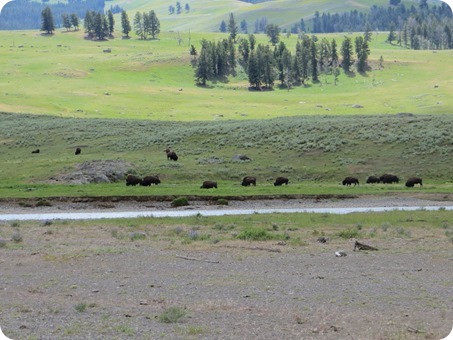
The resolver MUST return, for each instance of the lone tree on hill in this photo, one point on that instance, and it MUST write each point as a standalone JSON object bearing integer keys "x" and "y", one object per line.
{"x": 47, "y": 24}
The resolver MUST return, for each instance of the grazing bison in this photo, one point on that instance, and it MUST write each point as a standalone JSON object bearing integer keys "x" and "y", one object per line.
{"x": 412, "y": 181}
{"x": 350, "y": 180}
{"x": 373, "y": 179}
{"x": 280, "y": 181}
{"x": 208, "y": 185}
{"x": 171, "y": 155}
{"x": 248, "y": 180}
{"x": 133, "y": 180}
{"x": 78, "y": 151}
{"x": 386, "y": 178}
{"x": 35, "y": 151}
{"x": 148, "y": 180}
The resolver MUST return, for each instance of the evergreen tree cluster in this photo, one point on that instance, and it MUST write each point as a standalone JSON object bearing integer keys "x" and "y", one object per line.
{"x": 177, "y": 9}
{"x": 26, "y": 14}
{"x": 98, "y": 25}
{"x": 265, "y": 65}
{"x": 417, "y": 27}
{"x": 146, "y": 24}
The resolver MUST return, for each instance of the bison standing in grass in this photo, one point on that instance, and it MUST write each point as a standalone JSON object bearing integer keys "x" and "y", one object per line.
{"x": 148, "y": 180}
{"x": 35, "y": 151}
{"x": 386, "y": 178}
{"x": 78, "y": 151}
{"x": 350, "y": 180}
{"x": 412, "y": 181}
{"x": 171, "y": 155}
{"x": 248, "y": 180}
{"x": 133, "y": 180}
{"x": 280, "y": 181}
{"x": 208, "y": 185}
{"x": 373, "y": 179}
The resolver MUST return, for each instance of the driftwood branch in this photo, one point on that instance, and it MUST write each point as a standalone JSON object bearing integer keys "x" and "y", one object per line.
{"x": 362, "y": 246}
{"x": 195, "y": 259}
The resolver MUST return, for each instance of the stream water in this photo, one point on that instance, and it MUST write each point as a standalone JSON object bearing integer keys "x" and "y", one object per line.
{"x": 208, "y": 212}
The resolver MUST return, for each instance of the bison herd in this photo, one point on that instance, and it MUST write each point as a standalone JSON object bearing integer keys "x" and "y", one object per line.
{"x": 385, "y": 179}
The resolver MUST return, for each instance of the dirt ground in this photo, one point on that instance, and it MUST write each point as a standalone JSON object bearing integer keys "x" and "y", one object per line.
{"x": 95, "y": 280}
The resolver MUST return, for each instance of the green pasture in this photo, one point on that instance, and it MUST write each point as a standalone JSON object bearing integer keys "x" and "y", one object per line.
{"x": 68, "y": 76}
{"x": 314, "y": 152}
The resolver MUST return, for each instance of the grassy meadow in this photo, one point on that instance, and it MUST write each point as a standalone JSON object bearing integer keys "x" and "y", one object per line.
{"x": 62, "y": 91}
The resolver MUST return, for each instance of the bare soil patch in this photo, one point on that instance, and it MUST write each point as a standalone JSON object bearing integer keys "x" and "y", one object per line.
{"x": 98, "y": 280}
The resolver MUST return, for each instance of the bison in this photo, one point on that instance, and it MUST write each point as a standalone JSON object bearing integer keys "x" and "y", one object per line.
{"x": 412, "y": 181}
{"x": 208, "y": 185}
{"x": 350, "y": 180}
{"x": 386, "y": 178}
{"x": 148, "y": 180}
{"x": 248, "y": 180}
{"x": 280, "y": 181}
{"x": 35, "y": 151}
{"x": 78, "y": 151}
{"x": 133, "y": 180}
{"x": 171, "y": 155}
{"x": 373, "y": 179}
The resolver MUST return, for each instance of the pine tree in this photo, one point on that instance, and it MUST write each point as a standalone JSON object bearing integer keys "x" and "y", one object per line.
{"x": 314, "y": 62}
{"x": 273, "y": 32}
{"x": 204, "y": 68}
{"x": 111, "y": 22}
{"x": 233, "y": 28}
{"x": 66, "y": 21}
{"x": 75, "y": 21}
{"x": 154, "y": 24}
{"x": 347, "y": 53}
{"x": 125, "y": 24}
{"x": 138, "y": 25}
{"x": 363, "y": 51}
{"x": 47, "y": 24}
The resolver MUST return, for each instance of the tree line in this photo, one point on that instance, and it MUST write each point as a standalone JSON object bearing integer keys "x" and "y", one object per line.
{"x": 265, "y": 65}
{"x": 24, "y": 14}
{"x": 417, "y": 27}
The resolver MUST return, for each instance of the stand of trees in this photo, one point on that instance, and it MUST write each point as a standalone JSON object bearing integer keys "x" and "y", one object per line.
{"x": 146, "y": 24}
{"x": 266, "y": 65}
{"x": 98, "y": 25}
{"x": 417, "y": 27}
{"x": 25, "y": 14}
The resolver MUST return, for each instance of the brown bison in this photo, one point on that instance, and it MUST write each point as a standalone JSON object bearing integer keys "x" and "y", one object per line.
{"x": 171, "y": 155}
{"x": 248, "y": 180}
{"x": 350, "y": 180}
{"x": 386, "y": 178}
{"x": 208, "y": 185}
{"x": 78, "y": 151}
{"x": 148, "y": 180}
{"x": 280, "y": 181}
{"x": 373, "y": 179}
{"x": 133, "y": 180}
{"x": 35, "y": 151}
{"x": 412, "y": 181}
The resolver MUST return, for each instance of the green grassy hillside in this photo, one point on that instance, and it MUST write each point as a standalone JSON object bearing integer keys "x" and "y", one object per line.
{"x": 68, "y": 76}
{"x": 206, "y": 16}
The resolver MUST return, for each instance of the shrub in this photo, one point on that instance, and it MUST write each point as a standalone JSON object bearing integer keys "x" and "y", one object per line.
{"x": 222, "y": 201}
{"x": 80, "y": 307}
{"x": 137, "y": 235}
{"x": 43, "y": 203}
{"x": 254, "y": 234}
{"x": 172, "y": 315}
{"x": 179, "y": 202}
{"x": 17, "y": 237}
{"x": 349, "y": 233}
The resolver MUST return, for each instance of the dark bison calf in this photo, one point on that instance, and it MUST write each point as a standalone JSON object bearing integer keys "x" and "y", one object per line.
{"x": 148, "y": 180}
{"x": 171, "y": 155}
{"x": 350, "y": 180}
{"x": 208, "y": 185}
{"x": 78, "y": 151}
{"x": 386, "y": 178}
{"x": 35, "y": 151}
{"x": 280, "y": 181}
{"x": 373, "y": 179}
{"x": 248, "y": 180}
{"x": 412, "y": 181}
{"x": 133, "y": 180}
